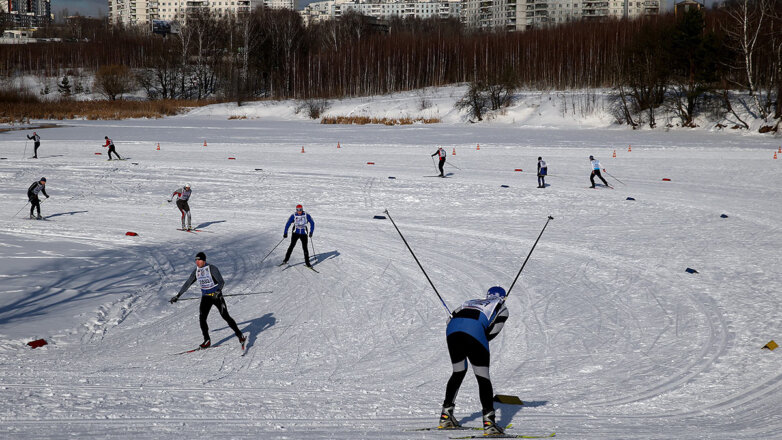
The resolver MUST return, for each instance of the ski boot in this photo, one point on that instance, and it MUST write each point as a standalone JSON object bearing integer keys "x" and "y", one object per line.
{"x": 206, "y": 344}
{"x": 447, "y": 420}
{"x": 490, "y": 426}
{"x": 32, "y": 217}
{"x": 242, "y": 340}
{"x": 39, "y": 217}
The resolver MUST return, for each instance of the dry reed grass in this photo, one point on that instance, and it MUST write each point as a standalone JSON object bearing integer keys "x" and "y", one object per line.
{"x": 23, "y": 109}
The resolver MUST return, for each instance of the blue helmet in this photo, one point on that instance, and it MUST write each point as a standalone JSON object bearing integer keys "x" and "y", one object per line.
{"x": 496, "y": 292}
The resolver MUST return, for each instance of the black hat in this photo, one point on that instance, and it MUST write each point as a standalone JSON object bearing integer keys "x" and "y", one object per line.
{"x": 43, "y": 179}
{"x": 105, "y": 137}
{"x": 201, "y": 256}
{"x": 591, "y": 157}
{"x": 540, "y": 158}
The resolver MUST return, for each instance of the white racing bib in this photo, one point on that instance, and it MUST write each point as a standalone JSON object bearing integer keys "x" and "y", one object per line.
{"x": 300, "y": 221}
{"x": 204, "y": 278}
{"x": 486, "y": 306}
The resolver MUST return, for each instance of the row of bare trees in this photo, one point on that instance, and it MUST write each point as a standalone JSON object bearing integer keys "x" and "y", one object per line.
{"x": 680, "y": 65}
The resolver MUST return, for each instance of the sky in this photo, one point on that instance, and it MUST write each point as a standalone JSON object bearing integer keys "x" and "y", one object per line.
{"x": 94, "y": 8}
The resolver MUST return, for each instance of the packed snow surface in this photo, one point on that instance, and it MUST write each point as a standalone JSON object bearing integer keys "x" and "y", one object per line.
{"x": 609, "y": 337}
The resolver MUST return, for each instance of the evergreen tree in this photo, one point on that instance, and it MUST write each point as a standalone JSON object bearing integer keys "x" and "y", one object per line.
{"x": 64, "y": 87}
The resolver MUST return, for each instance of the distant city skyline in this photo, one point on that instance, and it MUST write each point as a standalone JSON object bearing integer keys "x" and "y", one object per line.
{"x": 98, "y": 8}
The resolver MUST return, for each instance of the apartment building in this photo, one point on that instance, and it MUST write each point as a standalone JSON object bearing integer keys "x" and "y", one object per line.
{"x": 381, "y": 9}
{"x": 132, "y": 12}
{"x": 27, "y": 13}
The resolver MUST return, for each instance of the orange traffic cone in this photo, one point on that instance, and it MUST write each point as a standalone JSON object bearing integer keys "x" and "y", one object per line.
{"x": 478, "y": 147}
{"x": 614, "y": 153}
{"x": 775, "y": 155}
{"x": 158, "y": 145}
{"x": 629, "y": 148}
{"x": 780, "y": 150}
{"x": 338, "y": 145}
{"x": 454, "y": 152}
{"x": 204, "y": 142}
{"x": 302, "y": 148}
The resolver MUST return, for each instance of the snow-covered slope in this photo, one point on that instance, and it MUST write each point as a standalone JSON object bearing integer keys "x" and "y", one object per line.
{"x": 609, "y": 337}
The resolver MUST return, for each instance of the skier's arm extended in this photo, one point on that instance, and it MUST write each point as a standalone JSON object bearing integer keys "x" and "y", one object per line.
{"x": 190, "y": 280}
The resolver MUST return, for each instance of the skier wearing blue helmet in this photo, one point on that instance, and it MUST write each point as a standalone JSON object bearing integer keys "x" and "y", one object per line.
{"x": 472, "y": 326}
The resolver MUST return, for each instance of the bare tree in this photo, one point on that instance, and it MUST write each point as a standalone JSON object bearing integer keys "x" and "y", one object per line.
{"x": 744, "y": 28}
{"x": 113, "y": 81}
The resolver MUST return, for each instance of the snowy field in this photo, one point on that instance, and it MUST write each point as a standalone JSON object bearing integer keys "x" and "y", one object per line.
{"x": 609, "y": 337}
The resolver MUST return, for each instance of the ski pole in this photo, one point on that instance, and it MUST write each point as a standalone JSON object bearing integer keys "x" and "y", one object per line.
{"x": 230, "y": 294}
{"x": 314, "y": 254}
{"x": 25, "y": 205}
{"x": 449, "y": 163}
{"x": 435, "y": 165}
{"x": 419, "y": 263}
{"x": 270, "y": 252}
{"x": 528, "y": 255}
{"x": 25, "y": 149}
{"x": 614, "y": 178}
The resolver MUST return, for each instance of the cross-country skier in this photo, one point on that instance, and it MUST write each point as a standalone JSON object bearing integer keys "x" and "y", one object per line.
{"x": 32, "y": 195}
{"x": 441, "y": 154}
{"x": 472, "y": 326}
{"x": 299, "y": 219}
{"x": 596, "y": 172}
{"x": 542, "y": 171}
{"x": 37, "y": 143}
{"x": 110, "y": 144}
{"x": 183, "y": 195}
{"x": 211, "y": 282}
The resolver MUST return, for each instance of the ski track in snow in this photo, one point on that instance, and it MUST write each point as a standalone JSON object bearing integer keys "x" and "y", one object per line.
{"x": 608, "y": 338}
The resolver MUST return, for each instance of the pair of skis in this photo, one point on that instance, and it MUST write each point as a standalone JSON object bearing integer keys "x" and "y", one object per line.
{"x": 288, "y": 265}
{"x": 244, "y": 344}
{"x": 475, "y": 428}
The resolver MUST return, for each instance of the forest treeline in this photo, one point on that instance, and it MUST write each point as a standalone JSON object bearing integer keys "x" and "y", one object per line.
{"x": 684, "y": 64}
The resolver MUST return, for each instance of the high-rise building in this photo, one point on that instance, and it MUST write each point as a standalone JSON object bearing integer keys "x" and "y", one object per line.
{"x": 381, "y": 9}
{"x": 27, "y": 13}
{"x": 144, "y": 11}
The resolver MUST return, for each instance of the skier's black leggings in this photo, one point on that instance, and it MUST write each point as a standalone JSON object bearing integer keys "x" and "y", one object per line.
{"x": 35, "y": 203}
{"x": 462, "y": 347}
{"x": 206, "y": 305}
{"x": 597, "y": 173}
{"x": 35, "y": 149}
{"x": 442, "y": 164}
{"x": 541, "y": 179}
{"x": 112, "y": 150}
{"x": 303, "y": 238}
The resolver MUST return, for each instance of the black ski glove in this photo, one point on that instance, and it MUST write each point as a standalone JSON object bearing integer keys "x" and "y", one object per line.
{"x": 284, "y": 235}
{"x": 310, "y": 234}
{"x": 47, "y": 197}
{"x": 173, "y": 299}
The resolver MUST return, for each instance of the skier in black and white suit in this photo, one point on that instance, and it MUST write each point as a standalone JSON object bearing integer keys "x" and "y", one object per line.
{"x": 32, "y": 195}
{"x": 36, "y": 143}
{"x": 211, "y": 283}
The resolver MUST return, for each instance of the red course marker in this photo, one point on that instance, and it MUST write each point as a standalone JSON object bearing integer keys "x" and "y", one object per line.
{"x": 131, "y": 234}
{"x": 370, "y": 163}
{"x": 666, "y": 180}
{"x": 517, "y": 169}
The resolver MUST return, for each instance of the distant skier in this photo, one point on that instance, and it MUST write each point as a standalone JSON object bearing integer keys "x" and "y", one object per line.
{"x": 110, "y": 144}
{"x": 183, "y": 195}
{"x": 542, "y": 171}
{"x": 37, "y": 143}
{"x": 299, "y": 219}
{"x": 441, "y": 154}
{"x": 32, "y": 195}
{"x": 211, "y": 282}
{"x": 473, "y": 325}
{"x": 596, "y": 172}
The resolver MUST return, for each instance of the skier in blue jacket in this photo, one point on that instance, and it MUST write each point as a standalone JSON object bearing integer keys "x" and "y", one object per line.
{"x": 472, "y": 326}
{"x": 299, "y": 220}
